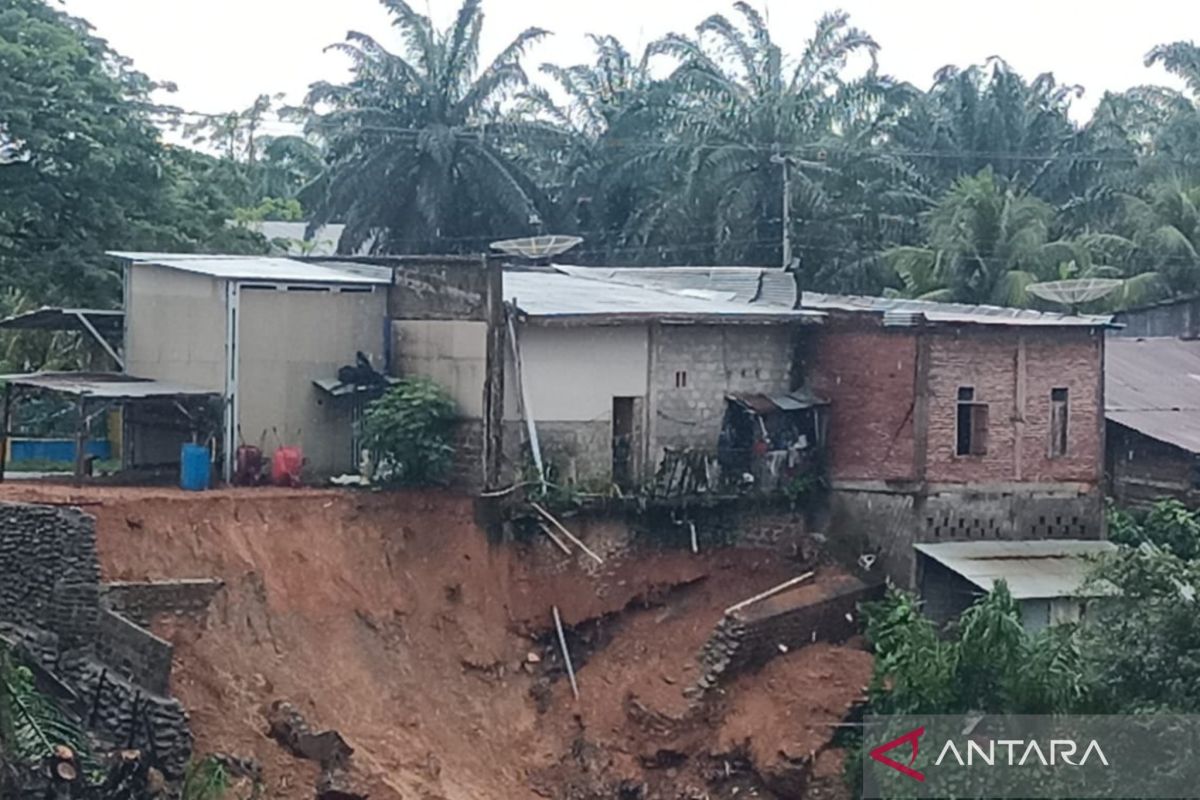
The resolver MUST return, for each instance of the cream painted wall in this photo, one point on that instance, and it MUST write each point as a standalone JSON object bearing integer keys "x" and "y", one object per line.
{"x": 451, "y": 352}
{"x": 288, "y": 339}
{"x": 573, "y": 374}
{"x": 175, "y": 327}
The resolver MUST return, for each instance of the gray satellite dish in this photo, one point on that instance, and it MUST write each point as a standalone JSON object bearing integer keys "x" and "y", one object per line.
{"x": 537, "y": 248}
{"x": 1073, "y": 293}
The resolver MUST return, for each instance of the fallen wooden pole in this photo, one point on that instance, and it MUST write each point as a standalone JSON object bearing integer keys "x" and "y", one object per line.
{"x": 561, "y": 544}
{"x": 774, "y": 590}
{"x": 575, "y": 539}
{"x": 562, "y": 642}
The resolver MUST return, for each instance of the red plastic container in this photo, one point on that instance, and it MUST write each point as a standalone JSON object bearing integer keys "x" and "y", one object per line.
{"x": 286, "y": 465}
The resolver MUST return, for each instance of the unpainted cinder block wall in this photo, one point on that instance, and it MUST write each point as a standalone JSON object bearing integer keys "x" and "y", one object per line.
{"x": 695, "y": 366}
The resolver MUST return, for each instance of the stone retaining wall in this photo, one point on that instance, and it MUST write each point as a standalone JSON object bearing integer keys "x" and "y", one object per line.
{"x": 749, "y": 637}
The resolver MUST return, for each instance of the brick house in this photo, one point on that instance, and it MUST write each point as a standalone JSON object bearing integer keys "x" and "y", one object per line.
{"x": 958, "y": 423}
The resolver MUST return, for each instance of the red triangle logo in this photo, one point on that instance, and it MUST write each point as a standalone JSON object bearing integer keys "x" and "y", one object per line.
{"x": 911, "y": 738}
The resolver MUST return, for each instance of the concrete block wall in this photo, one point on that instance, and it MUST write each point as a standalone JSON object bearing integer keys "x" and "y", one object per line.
{"x": 716, "y": 360}
{"x": 142, "y": 602}
{"x": 581, "y": 452}
{"x": 134, "y": 652}
{"x": 888, "y": 524}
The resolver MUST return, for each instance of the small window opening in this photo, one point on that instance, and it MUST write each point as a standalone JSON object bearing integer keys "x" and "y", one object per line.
{"x": 681, "y": 379}
{"x": 1059, "y": 413}
{"x": 972, "y": 424}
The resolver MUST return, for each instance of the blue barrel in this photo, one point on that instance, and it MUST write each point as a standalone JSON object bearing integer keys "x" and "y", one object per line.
{"x": 195, "y": 468}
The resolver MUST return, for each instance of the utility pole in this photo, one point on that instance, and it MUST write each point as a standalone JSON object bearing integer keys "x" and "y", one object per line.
{"x": 786, "y": 162}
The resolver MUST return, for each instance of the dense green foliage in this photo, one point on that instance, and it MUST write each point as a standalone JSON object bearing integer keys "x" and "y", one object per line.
{"x": 410, "y": 430}
{"x": 1136, "y": 651}
{"x": 968, "y": 189}
{"x": 1168, "y": 524}
{"x": 31, "y": 723}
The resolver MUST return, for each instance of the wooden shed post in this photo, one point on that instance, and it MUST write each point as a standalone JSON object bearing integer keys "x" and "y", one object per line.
{"x": 81, "y": 437}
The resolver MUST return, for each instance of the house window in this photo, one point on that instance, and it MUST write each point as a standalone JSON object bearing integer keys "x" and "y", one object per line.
{"x": 1059, "y": 412}
{"x": 972, "y": 427}
{"x": 681, "y": 379}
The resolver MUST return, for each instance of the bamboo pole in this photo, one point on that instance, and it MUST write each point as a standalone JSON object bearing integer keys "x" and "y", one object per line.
{"x": 578, "y": 543}
{"x": 774, "y": 590}
{"x": 562, "y": 642}
{"x": 561, "y": 544}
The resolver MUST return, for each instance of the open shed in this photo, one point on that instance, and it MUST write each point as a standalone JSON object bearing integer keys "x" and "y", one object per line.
{"x": 184, "y": 410}
{"x": 1047, "y": 577}
{"x": 265, "y": 334}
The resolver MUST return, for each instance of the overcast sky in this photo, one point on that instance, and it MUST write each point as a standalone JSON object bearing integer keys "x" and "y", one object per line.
{"x": 223, "y": 53}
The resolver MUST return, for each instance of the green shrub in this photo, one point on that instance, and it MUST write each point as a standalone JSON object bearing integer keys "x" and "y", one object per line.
{"x": 410, "y": 429}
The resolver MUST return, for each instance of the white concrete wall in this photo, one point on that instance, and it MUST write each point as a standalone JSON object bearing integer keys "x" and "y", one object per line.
{"x": 175, "y": 327}
{"x": 288, "y": 339}
{"x": 573, "y": 374}
{"x": 452, "y": 353}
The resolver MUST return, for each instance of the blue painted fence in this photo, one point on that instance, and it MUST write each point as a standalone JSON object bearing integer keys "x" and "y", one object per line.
{"x": 57, "y": 450}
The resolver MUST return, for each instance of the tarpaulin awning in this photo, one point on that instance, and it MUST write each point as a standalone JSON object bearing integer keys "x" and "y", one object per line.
{"x": 761, "y": 404}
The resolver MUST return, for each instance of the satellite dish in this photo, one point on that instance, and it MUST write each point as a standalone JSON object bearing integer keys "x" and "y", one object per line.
{"x": 1072, "y": 293}
{"x": 537, "y": 248}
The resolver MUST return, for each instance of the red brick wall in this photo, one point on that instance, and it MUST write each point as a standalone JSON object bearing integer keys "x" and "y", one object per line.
{"x": 867, "y": 374}
{"x": 987, "y": 360}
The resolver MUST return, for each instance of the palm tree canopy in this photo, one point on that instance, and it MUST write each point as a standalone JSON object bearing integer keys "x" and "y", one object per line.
{"x": 416, "y": 160}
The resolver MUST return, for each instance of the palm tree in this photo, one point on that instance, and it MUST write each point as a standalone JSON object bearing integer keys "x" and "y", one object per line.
{"x": 988, "y": 115}
{"x": 985, "y": 244}
{"x": 417, "y": 142}
{"x": 739, "y": 112}
{"x": 1163, "y": 221}
{"x": 609, "y": 103}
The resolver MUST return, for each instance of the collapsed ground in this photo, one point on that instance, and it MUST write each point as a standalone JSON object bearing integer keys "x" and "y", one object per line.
{"x": 393, "y": 620}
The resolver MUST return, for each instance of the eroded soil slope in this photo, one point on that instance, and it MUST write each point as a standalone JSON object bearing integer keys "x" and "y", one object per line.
{"x": 392, "y": 619}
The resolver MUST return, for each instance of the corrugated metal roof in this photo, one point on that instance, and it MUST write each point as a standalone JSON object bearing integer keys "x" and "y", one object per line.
{"x": 768, "y": 404}
{"x": 773, "y": 286}
{"x": 1036, "y": 569}
{"x": 952, "y": 312}
{"x": 266, "y": 268}
{"x": 1153, "y": 387}
{"x": 107, "y": 385}
{"x": 554, "y": 295}
{"x": 66, "y": 319}
{"x": 728, "y": 283}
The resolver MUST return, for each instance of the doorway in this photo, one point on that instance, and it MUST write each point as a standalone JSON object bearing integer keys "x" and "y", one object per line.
{"x": 623, "y": 419}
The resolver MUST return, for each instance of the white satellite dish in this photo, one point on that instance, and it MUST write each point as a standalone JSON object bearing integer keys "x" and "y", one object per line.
{"x": 1075, "y": 292}
{"x": 537, "y": 248}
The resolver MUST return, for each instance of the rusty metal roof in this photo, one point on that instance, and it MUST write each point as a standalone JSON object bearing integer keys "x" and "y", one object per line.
{"x": 952, "y": 312}
{"x": 1033, "y": 569}
{"x": 769, "y": 404}
{"x": 103, "y": 385}
{"x": 66, "y": 319}
{"x": 1153, "y": 387}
